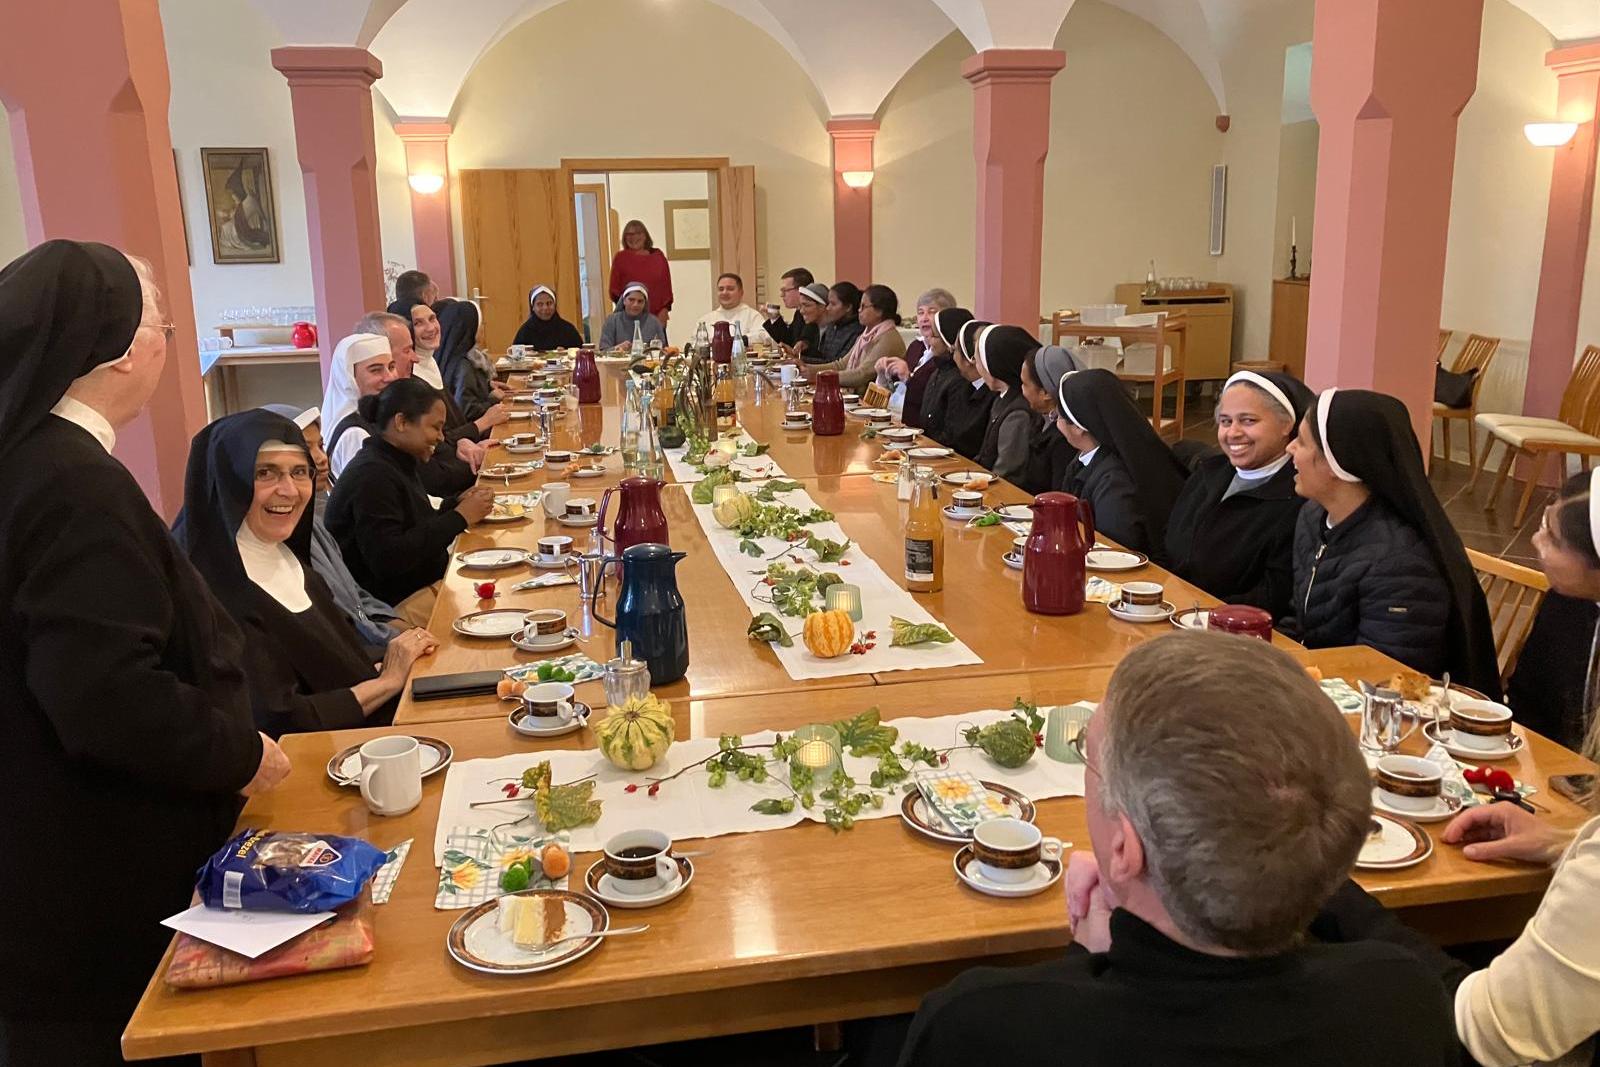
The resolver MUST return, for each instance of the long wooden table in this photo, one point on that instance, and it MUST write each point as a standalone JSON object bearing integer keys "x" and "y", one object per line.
{"x": 980, "y": 602}
{"x": 780, "y": 928}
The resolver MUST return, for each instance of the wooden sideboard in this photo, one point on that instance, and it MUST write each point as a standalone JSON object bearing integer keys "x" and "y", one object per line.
{"x": 1291, "y": 299}
{"x": 1209, "y": 314}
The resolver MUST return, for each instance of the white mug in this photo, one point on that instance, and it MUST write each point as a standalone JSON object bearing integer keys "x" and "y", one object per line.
{"x": 786, "y": 374}
{"x": 555, "y": 498}
{"x": 1008, "y": 849}
{"x": 391, "y": 775}
{"x": 519, "y": 351}
{"x": 555, "y": 697}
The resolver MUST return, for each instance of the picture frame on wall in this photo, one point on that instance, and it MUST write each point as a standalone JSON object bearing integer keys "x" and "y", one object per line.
{"x": 688, "y": 228}
{"x": 241, "y": 206}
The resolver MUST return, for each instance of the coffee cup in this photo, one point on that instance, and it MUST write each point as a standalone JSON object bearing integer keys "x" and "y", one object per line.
{"x": 554, "y": 547}
{"x": 1480, "y": 724}
{"x": 1142, "y": 598}
{"x": 555, "y": 497}
{"x": 551, "y": 392}
{"x": 967, "y": 500}
{"x": 851, "y": 398}
{"x": 519, "y": 352}
{"x": 557, "y": 456}
{"x": 549, "y": 700}
{"x": 391, "y": 775}
{"x": 485, "y": 590}
{"x": 1019, "y": 544}
{"x": 545, "y": 623}
{"x": 1008, "y": 849}
{"x": 579, "y": 507}
{"x": 1409, "y": 783}
{"x": 796, "y": 418}
{"x": 639, "y": 861}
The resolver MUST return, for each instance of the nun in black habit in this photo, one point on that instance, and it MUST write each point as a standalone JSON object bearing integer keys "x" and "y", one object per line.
{"x": 1007, "y": 437}
{"x": 247, "y": 526}
{"x": 961, "y": 410}
{"x": 545, "y": 330}
{"x": 1049, "y": 454}
{"x": 1376, "y": 560}
{"x": 124, "y": 715}
{"x": 1232, "y": 530}
{"x": 931, "y": 415}
{"x": 1127, "y": 473}
{"x": 465, "y": 381}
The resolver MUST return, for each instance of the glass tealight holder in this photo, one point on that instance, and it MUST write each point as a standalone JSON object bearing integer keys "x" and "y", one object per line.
{"x": 1062, "y": 726}
{"x": 842, "y": 596}
{"x": 818, "y": 752}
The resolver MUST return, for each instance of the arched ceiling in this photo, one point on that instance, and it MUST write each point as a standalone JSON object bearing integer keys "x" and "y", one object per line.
{"x": 853, "y": 52}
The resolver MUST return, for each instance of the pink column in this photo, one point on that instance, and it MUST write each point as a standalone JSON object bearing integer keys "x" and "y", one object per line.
{"x": 428, "y": 153}
{"x": 331, "y": 91}
{"x": 852, "y": 208}
{"x": 94, "y": 162}
{"x": 1566, "y": 232}
{"x": 1389, "y": 83}
{"x": 1010, "y": 137}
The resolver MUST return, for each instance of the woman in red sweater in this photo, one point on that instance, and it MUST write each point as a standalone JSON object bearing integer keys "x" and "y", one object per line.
{"x": 641, "y": 261}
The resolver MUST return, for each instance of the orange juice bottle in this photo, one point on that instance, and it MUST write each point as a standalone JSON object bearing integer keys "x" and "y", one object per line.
{"x": 924, "y": 536}
{"x": 724, "y": 398}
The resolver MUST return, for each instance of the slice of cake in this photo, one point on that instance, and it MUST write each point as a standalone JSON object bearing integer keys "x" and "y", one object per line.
{"x": 533, "y": 921}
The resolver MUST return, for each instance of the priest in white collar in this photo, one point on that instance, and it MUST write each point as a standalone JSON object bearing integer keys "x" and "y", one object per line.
{"x": 731, "y": 308}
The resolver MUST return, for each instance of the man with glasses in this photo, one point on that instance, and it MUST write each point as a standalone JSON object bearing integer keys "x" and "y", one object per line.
{"x": 1226, "y": 800}
{"x": 789, "y": 286}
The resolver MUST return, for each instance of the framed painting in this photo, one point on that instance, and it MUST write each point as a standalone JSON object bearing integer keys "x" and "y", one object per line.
{"x": 688, "y": 228}
{"x": 241, "y": 206}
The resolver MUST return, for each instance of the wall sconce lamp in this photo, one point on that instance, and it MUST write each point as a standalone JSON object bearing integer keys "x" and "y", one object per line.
{"x": 426, "y": 184}
{"x": 857, "y": 179}
{"x": 1549, "y": 134}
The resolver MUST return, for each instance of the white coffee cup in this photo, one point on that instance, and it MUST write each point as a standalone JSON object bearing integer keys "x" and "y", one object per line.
{"x": 1482, "y": 725}
{"x": 391, "y": 775}
{"x": 967, "y": 500}
{"x": 555, "y": 498}
{"x": 1409, "y": 783}
{"x": 549, "y": 700}
{"x": 519, "y": 351}
{"x": 554, "y": 547}
{"x": 787, "y": 374}
{"x": 1007, "y": 850}
{"x": 1142, "y": 598}
{"x": 638, "y": 875}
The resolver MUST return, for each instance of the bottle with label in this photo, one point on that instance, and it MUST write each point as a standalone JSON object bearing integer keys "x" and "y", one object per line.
{"x": 738, "y": 351}
{"x": 925, "y": 536}
{"x": 722, "y": 395}
{"x": 663, "y": 400}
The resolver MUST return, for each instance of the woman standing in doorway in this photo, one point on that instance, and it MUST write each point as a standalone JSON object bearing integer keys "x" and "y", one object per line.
{"x": 641, "y": 262}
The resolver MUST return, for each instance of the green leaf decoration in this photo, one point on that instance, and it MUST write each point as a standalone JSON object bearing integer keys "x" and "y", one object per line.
{"x": 768, "y": 627}
{"x": 903, "y": 632}
{"x": 865, "y": 735}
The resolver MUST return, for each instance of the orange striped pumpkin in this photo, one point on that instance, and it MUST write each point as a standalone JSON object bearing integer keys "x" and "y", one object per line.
{"x": 829, "y": 633}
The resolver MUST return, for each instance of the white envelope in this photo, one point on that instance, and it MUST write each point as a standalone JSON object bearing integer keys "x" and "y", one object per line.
{"x": 249, "y": 933}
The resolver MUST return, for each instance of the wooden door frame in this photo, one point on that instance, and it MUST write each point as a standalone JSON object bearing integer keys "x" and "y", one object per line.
{"x": 602, "y": 194}
{"x": 715, "y": 166}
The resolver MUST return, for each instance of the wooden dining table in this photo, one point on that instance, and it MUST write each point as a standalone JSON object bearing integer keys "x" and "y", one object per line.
{"x": 980, "y": 602}
{"x": 779, "y": 928}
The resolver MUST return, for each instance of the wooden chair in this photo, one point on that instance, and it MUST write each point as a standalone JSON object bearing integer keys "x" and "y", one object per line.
{"x": 1475, "y": 356}
{"x": 1170, "y": 331}
{"x": 1444, "y": 342}
{"x": 1514, "y": 593}
{"x": 1575, "y": 433}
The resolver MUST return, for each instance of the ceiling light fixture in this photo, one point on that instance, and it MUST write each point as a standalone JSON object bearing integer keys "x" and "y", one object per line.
{"x": 857, "y": 179}
{"x": 426, "y": 184}
{"x": 1549, "y": 134}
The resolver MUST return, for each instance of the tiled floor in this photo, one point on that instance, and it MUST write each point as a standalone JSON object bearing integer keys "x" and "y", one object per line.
{"x": 1486, "y": 531}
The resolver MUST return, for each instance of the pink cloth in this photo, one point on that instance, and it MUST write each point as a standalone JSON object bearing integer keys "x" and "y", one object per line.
{"x": 864, "y": 342}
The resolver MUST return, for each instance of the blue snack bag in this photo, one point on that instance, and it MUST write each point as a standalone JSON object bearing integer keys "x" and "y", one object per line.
{"x": 265, "y": 870}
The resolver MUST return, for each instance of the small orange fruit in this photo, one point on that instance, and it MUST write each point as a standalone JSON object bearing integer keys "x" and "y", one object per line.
{"x": 555, "y": 861}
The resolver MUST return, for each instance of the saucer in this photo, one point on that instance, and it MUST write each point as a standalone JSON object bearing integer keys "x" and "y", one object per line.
{"x": 930, "y": 452}
{"x": 345, "y": 767}
{"x": 563, "y": 640}
{"x": 1046, "y": 873}
{"x": 589, "y": 470}
{"x": 1146, "y": 616}
{"x": 797, "y": 425}
{"x": 578, "y": 520}
{"x": 528, "y": 724}
{"x": 545, "y": 563}
{"x": 494, "y": 623}
{"x": 600, "y": 884}
{"x": 1192, "y": 619}
{"x": 1399, "y": 844}
{"x": 963, "y": 514}
{"x": 1442, "y": 809}
{"x": 1114, "y": 559}
{"x": 1013, "y": 559}
{"x": 519, "y": 414}
{"x": 1446, "y": 737}
{"x": 491, "y": 559}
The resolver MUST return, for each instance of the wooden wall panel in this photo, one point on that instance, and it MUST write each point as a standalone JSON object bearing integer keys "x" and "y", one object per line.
{"x": 518, "y": 231}
{"x": 737, "y": 222}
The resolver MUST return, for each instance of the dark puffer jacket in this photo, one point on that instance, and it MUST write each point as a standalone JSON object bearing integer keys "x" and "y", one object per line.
{"x": 1371, "y": 580}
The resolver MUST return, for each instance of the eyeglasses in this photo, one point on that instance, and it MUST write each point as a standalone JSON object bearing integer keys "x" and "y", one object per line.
{"x": 272, "y": 475}
{"x": 168, "y": 329}
{"x": 1076, "y": 744}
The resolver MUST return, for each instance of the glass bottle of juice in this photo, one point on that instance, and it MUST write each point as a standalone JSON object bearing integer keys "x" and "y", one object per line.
{"x": 925, "y": 536}
{"x": 722, "y": 396}
{"x": 663, "y": 399}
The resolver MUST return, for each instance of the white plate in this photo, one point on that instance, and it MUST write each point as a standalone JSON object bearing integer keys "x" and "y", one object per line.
{"x": 1016, "y": 512}
{"x": 566, "y": 641}
{"x": 507, "y": 516}
{"x": 530, "y": 725}
{"x": 491, "y": 559}
{"x": 578, "y": 520}
{"x": 1046, "y": 873}
{"x": 963, "y": 514}
{"x": 1446, "y": 737}
{"x": 500, "y": 472}
{"x": 475, "y": 940}
{"x": 1148, "y": 616}
{"x": 496, "y": 622}
{"x": 963, "y": 477}
{"x": 519, "y": 414}
{"x": 591, "y": 470}
{"x": 797, "y": 425}
{"x": 1400, "y": 845}
{"x": 930, "y": 452}
{"x": 1192, "y": 619}
{"x": 1112, "y": 559}
{"x": 1013, "y": 560}
{"x": 544, "y": 563}
{"x": 602, "y": 885}
{"x": 345, "y": 767}
{"x": 1441, "y": 810}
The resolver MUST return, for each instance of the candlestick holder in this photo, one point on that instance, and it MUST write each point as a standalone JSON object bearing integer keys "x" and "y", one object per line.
{"x": 818, "y": 752}
{"x": 1294, "y": 263}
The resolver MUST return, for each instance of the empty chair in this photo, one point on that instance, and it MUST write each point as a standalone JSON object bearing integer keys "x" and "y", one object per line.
{"x": 1573, "y": 433}
{"x": 1514, "y": 593}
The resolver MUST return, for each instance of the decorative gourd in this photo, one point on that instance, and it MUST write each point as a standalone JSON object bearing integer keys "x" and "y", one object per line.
{"x": 637, "y": 734}
{"x": 733, "y": 511}
{"x": 829, "y": 633}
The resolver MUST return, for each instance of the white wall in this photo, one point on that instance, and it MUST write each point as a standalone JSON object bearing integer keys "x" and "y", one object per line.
{"x": 1297, "y": 195}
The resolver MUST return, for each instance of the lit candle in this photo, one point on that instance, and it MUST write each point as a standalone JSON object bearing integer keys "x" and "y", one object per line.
{"x": 815, "y": 754}
{"x": 844, "y": 597}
